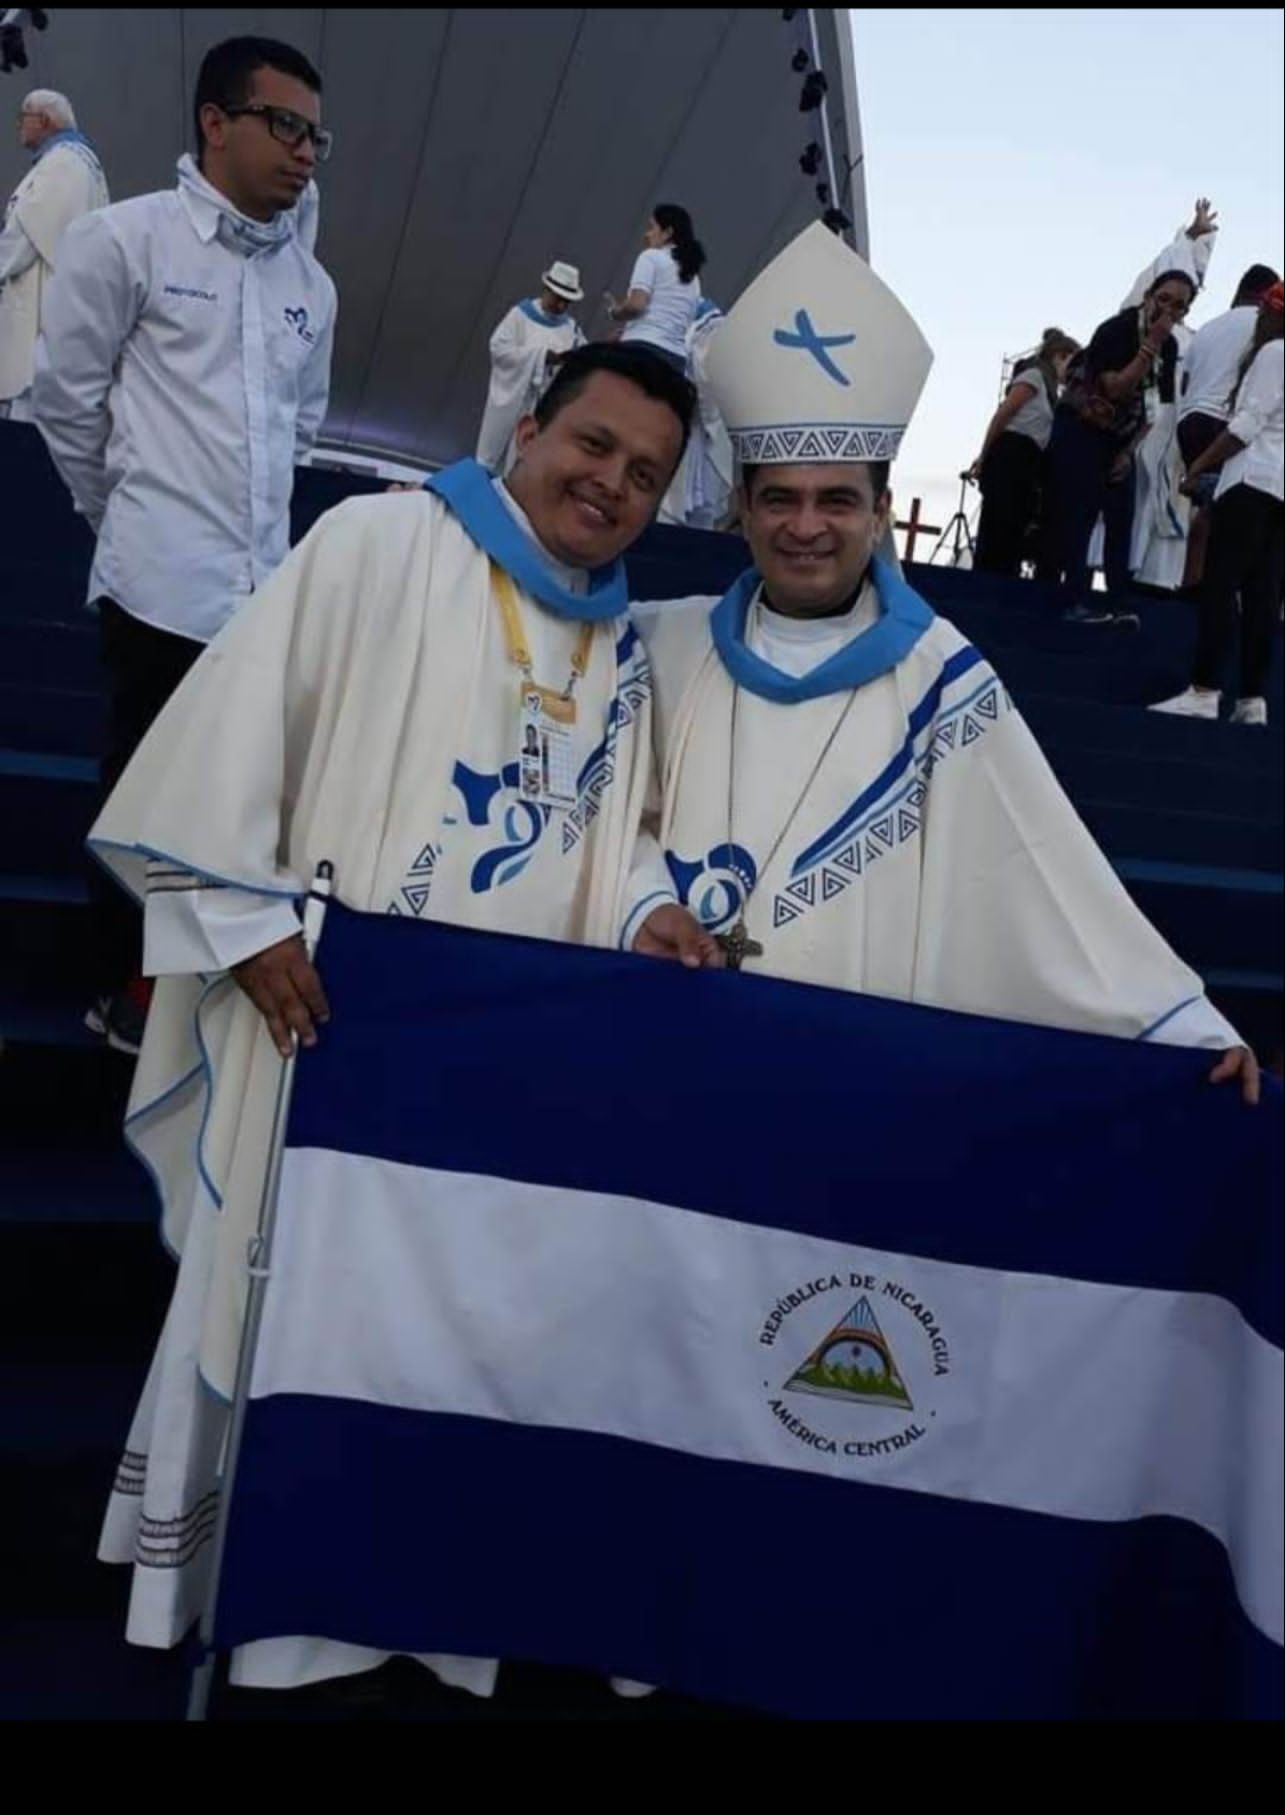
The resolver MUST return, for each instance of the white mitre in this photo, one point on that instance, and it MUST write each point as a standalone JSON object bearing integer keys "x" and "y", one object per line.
{"x": 818, "y": 361}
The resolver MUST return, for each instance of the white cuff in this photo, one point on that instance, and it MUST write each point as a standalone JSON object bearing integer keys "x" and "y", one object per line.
{"x": 638, "y": 913}
{"x": 202, "y": 930}
{"x": 1194, "y": 1023}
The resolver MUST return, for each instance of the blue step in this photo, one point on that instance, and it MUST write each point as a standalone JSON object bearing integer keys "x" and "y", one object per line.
{"x": 33, "y": 654}
{"x": 47, "y": 805}
{"x": 1130, "y": 732}
{"x": 70, "y": 720}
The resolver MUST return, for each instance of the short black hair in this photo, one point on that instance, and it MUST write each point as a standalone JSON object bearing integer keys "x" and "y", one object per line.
{"x": 1251, "y": 286}
{"x": 226, "y": 71}
{"x": 879, "y": 471}
{"x": 631, "y": 360}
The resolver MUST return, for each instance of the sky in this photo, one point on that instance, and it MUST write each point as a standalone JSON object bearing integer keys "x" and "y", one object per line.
{"x": 1022, "y": 167}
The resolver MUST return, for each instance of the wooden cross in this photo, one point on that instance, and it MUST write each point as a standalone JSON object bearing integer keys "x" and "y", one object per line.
{"x": 738, "y": 946}
{"x": 915, "y": 528}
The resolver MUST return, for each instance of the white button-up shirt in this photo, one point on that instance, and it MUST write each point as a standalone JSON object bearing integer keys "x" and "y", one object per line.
{"x": 1259, "y": 421}
{"x": 1212, "y": 361}
{"x": 179, "y": 378}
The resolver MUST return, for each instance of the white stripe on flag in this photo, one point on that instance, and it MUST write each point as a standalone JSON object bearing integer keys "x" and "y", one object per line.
{"x": 446, "y": 1292}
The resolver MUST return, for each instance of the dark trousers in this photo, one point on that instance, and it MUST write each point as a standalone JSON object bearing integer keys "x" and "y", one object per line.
{"x": 1195, "y": 433}
{"x": 1080, "y": 489}
{"x": 143, "y": 667}
{"x": 1243, "y": 572}
{"x": 1010, "y": 480}
{"x": 671, "y": 359}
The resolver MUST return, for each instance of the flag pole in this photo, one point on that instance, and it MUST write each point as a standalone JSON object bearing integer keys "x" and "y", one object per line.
{"x": 258, "y": 1266}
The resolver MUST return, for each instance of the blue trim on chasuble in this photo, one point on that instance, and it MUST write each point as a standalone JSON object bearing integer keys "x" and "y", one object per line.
{"x": 533, "y": 312}
{"x": 903, "y": 619}
{"x": 521, "y": 824}
{"x": 885, "y": 815}
{"x": 468, "y": 490}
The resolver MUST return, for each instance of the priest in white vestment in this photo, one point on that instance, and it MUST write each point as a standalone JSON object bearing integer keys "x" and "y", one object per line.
{"x": 526, "y": 350}
{"x": 702, "y": 489}
{"x": 65, "y": 181}
{"x": 370, "y": 706}
{"x": 849, "y": 796}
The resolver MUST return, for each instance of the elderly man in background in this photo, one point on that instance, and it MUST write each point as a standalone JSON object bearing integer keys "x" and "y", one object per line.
{"x": 65, "y": 181}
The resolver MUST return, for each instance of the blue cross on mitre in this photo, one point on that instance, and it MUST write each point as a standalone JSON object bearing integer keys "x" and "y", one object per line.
{"x": 806, "y": 337}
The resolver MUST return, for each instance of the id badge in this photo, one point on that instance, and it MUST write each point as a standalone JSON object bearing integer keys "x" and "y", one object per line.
{"x": 546, "y": 755}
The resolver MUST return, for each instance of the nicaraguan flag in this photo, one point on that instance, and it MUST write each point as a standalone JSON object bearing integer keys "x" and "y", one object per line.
{"x": 790, "y": 1348}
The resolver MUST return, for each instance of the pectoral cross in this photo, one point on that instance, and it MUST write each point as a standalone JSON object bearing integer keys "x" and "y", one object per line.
{"x": 738, "y": 946}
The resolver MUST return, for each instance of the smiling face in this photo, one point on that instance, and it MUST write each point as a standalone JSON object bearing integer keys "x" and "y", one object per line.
{"x": 591, "y": 480}
{"x": 812, "y": 531}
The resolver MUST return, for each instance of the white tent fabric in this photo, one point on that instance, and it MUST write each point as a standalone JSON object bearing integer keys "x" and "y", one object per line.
{"x": 472, "y": 147}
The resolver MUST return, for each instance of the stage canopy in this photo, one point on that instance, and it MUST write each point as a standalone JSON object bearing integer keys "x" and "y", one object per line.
{"x": 474, "y": 146}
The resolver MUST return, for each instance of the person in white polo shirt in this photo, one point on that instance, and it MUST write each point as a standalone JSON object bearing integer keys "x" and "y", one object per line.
{"x": 526, "y": 350}
{"x": 1210, "y": 370}
{"x": 664, "y": 288}
{"x": 1247, "y": 533}
{"x": 183, "y": 370}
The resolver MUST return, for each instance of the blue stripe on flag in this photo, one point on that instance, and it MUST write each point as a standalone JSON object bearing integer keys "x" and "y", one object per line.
{"x": 853, "y": 1118}
{"x": 780, "y": 1590}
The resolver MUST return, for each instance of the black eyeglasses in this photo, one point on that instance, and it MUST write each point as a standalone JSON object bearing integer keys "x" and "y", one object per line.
{"x": 289, "y": 128}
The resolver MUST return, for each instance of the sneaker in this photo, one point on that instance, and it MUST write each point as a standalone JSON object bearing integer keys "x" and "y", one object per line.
{"x": 1189, "y": 704}
{"x": 121, "y": 1018}
{"x": 1249, "y": 712}
{"x": 1101, "y": 614}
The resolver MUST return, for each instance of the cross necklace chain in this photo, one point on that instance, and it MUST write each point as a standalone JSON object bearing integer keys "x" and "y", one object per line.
{"x": 737, "y": 945}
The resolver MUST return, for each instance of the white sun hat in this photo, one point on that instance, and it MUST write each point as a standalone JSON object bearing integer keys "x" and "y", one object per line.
{"x": 564, "y": 280}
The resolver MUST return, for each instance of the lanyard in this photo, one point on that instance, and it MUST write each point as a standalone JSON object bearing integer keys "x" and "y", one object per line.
{"x": 515, "y": 636}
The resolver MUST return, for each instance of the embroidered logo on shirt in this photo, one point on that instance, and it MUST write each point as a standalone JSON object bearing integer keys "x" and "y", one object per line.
{"x": 187, "y": 290}
{"x": 298, "y": 319}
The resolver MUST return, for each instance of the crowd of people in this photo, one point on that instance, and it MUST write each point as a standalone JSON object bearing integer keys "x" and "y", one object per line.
{"x": 423, "y": 666}
{"x": 1165, "y": 449}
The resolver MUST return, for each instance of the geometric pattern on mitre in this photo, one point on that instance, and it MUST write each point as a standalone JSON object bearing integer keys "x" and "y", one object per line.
{"x": 819, "y": 360}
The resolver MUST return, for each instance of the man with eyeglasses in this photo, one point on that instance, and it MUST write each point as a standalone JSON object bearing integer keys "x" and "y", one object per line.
{"x": 184, "y": 370}
{"x": 65, "y": 181}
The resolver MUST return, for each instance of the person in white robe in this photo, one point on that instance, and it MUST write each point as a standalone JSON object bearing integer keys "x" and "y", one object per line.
{"x": 526, "y": 350}
{"x": 1161, "y": 513}
{"x": 702, "y": 490}
{"x": 65, "y": 181}
{"x": 848, "y": 796}
{"x": 367, "y": 707}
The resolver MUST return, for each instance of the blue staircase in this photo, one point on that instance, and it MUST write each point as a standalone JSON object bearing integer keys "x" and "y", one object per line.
{"x": 1189, "y": 814}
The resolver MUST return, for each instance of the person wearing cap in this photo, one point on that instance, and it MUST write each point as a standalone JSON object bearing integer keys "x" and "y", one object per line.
{"x": 526, "y": 350}
{"x": 1246, "y": 552}
{"x": 849, "y": 796}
